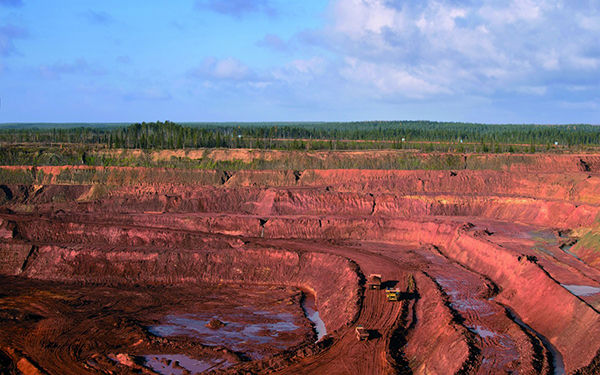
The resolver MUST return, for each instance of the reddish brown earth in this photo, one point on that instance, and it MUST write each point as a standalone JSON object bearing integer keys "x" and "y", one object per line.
{"x": 214, "y": 273}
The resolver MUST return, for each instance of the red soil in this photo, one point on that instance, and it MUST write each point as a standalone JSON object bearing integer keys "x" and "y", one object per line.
{"x": 476, "y": 253}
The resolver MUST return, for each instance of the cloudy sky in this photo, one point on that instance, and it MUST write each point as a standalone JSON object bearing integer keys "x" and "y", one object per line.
{"x": 494, "y": 61}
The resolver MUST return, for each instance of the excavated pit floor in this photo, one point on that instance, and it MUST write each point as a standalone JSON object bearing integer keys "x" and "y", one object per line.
{"x": 159, "y": 328}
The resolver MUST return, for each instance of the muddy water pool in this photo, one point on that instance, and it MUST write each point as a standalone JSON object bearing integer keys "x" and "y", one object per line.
{"x": 257, "y": 321}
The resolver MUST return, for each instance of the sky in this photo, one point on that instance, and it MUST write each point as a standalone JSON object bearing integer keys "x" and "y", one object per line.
{"x": 510, "y": 61}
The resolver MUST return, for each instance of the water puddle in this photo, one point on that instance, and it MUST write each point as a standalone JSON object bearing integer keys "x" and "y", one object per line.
{"x": 241, "y": 332}
{"x": 542, "y": 235}
{"x": 582, "y": 290}
{"x": 460, "y": 300}
{"x": 179, "y": 364}
{"x": 310, "y": 310}
{"x": 481, "y": 331}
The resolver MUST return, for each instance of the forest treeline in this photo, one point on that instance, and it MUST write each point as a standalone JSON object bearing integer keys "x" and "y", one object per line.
{"x": 424, "y": 135}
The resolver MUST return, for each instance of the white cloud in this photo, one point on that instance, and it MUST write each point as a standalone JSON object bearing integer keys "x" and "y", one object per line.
{"x": 388, "y": 79}
{"x": 584, "y": 62}
{"x": 357, "y": 17}
{"x": 502, "y": 13}
{"x": 549, "y": 60}
{"x": 228, "y": 69}
{"x": 434, "y": 47}
{"x": 298, "y": 72}
{"x": 419, "y": 52}
{"x": 311, "y": 66}
{"x": 591, "y": 23}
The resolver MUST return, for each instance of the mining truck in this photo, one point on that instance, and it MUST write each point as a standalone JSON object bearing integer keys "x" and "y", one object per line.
{"x": 374, "y": 281}
{"x": 361, "y": 333}
{"x": 393, "y": 294}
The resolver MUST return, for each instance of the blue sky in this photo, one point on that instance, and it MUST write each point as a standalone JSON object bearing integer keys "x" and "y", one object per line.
{"x": 516, "y": 61}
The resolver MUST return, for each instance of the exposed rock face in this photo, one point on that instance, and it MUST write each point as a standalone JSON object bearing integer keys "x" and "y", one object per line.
{"x": 215, "y": 324}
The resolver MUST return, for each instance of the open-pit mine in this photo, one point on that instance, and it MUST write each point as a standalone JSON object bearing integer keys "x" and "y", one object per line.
{"x": 489, "y": 269}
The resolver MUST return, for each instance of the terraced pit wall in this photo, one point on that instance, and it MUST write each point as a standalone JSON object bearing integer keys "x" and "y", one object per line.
{"x": 409, "y": 207}
{"x": 183, "y": 259}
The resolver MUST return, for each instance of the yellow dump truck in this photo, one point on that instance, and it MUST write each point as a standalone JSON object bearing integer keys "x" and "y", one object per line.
{"x": 393, "y": 294}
